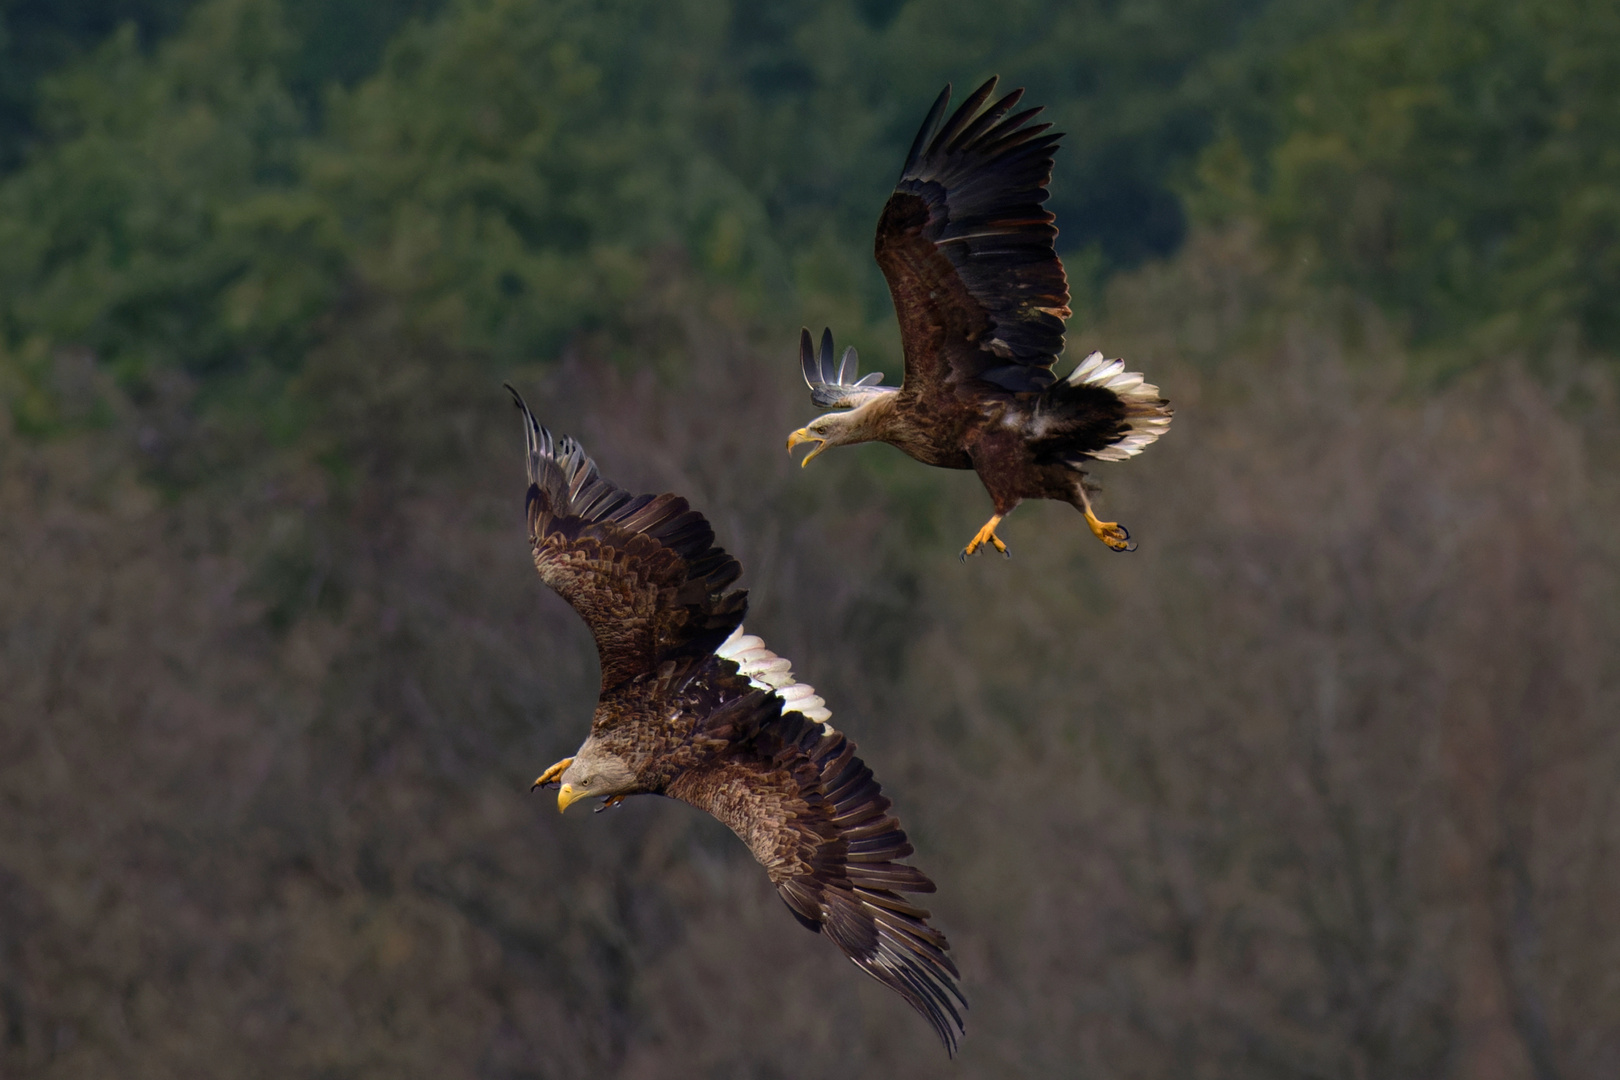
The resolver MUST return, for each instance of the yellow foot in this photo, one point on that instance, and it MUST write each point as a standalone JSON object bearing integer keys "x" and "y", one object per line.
{"x": 986, "y": 535}
{"x": 551, "y": 775}
{"x": 1111, "y": 533}
{"x": 608, "y": 803}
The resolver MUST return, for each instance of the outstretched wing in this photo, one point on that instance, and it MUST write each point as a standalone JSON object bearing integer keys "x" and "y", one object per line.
{"x": 835, "y": 386}
{"x": 642, "y": 571}
{"x": 811, "y": 812}
{"x": 968, "y": 250}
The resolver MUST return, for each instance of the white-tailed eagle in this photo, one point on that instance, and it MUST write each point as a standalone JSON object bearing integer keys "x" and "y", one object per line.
{"x": 981, "y": 297}
{"x": 693, "y": 708}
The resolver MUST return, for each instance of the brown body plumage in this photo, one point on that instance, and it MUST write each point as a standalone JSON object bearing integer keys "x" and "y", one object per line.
{"x": 981, "y": 297}
{"x": 694, "y": 709}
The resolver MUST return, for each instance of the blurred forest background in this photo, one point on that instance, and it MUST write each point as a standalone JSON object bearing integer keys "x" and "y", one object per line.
{"x": 1320, "y": 783}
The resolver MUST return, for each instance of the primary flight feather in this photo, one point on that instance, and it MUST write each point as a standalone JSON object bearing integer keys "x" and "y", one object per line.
{"x": 693, "y": 708}
{"x": 981, "y": 297}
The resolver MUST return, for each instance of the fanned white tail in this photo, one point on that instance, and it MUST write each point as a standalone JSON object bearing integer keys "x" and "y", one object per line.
{"x": 1147, "y": 415}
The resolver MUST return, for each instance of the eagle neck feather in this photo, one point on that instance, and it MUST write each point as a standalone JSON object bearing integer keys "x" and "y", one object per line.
{"x": 872, "y": 421}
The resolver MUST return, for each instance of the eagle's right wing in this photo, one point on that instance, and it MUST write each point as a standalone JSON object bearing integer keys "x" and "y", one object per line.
{"x": 792, "y": 788}
{"x": 642, "y": 571}
{"x": 967, "y": 248}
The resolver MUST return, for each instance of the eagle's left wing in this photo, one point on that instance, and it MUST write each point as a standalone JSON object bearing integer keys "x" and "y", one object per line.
{"x": 642, "y": 571}
{"x": 792, "y": 788}
{"x": 834, "y": 386}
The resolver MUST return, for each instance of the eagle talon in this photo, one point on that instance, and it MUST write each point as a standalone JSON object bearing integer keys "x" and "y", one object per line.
{"x": 1112, "y": 533}
{"x": 608, "y": 803}
{"x": 986, "y": 535}
{"x": 553, "y": 774}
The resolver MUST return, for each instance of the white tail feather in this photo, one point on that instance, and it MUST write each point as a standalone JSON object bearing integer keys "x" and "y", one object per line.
{"x": 1146, "y": 416}
{"x": 1086, "y": 367}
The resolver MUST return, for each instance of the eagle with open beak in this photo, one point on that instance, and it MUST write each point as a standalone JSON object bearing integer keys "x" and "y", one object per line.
{"x": 981, "y": 296}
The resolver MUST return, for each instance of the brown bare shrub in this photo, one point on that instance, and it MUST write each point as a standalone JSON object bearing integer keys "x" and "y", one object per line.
{"x": 1317, "y": 784}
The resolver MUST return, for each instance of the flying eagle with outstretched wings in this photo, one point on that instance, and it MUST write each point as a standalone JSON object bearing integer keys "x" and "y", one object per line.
{"x": 694, "y": 708}
{"x": 981, "y": 297}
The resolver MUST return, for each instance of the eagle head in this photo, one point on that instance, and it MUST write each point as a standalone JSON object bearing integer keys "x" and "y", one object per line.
{"x": 836, "y": 429}
{"x": 595, "y": 772}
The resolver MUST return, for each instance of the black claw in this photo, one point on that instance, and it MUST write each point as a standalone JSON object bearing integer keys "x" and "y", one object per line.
{"x": 1006, "y": 552}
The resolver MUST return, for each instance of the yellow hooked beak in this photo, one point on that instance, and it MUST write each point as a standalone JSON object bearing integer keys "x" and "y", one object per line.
{"x": 567, "y": 795}
{"x": 803, "y": 436}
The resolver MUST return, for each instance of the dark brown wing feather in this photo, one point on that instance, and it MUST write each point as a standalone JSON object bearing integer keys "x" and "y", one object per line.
{"x": 642, "y": 571}
{"x": 815, "y": 818}
{"x": 968, "y": 251}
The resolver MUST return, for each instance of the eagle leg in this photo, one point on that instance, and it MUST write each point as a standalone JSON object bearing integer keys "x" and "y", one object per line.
{"x": 608, "y": 803}
{"x": 550, "y": 775}
{"x": 986, "y": 535}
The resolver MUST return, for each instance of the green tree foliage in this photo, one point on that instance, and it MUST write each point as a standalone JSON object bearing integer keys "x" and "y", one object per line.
{"x": 163, "y": 227}
{"x": 508, "y": 171}
{"x": 336, "y": 40}
{"x": 39, "y": 36}
{"x": 513, "y": 168}
{"x": 1456, "y": 160}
